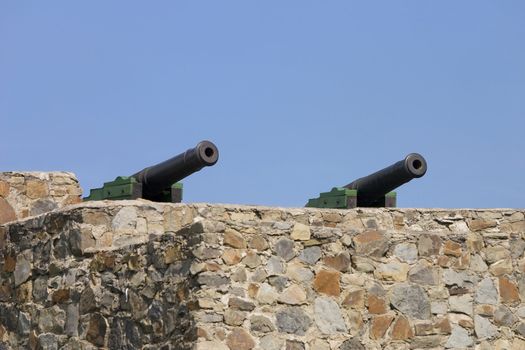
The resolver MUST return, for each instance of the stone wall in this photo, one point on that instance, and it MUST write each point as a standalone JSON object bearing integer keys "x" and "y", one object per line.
{"x": 136, "y": 274}
{"x": 24, "y": 194}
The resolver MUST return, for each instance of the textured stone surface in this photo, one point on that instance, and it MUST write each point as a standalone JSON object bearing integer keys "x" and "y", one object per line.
{"x": 486, "y": 293}
{"x": 327, "y": 282}
{"x": 424, "y": 273}
{"x": 7, "y": 213}
{"x": 293, "y": 295}
{"x": 339, "y": 262}
{"x": 137, "y": 274}
{"x": 459, "y": 338}
{"x": 328, "y": 316}
{"x": 293, "y": 320}
{"x": 22, "y": 270}
{"x": 33, "y": 193}
{"x": 240, "y": 339}
{"x": 379, "y": 326}
{"x": 508, "y": 291}
{"x": 484, "y": 328}
{"x": 300, "y": 232}
{"x": 411, "y": 300}
{"x": 406, "y": 252}
{"x": 461, "y": 303}
{"x": 392, "y": 271}
{"x": 234, "y": 239}
{"x": 284, "y": 248}
{"x": 263, "y": 324}
{"x": 371, "y": 243}
{"x": 429, "y": 245}
{"x": 402, "y": 329}
{"x": 310, "y": 255}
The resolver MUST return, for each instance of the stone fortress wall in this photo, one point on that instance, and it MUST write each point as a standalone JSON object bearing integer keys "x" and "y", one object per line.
{"x": 24, "y": 194}
{"x": 137, "y": 274}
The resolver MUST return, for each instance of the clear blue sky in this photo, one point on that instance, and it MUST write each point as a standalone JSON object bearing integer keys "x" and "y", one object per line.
{"x": 299, "y": 96}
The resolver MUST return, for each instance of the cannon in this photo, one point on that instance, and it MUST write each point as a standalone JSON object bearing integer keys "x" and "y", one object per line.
{"x": 159, "y": 182}
{"x": 374, "y": 190}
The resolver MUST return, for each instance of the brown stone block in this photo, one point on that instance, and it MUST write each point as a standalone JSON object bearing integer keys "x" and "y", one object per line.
{"x": 72, "y": 199}
{"x": 96, "y": 332}
{"x": 442, "y": 326}
{"x": 452, "y": 248}
{"x": 508, "y": 291}
{"x": 253, "y": 289}
{"x": 399, "y": 221}
{"x": 444, "y": 261}
{"x": 376, "y": 304}
{"x": 481, "y": 224}
{"x": 463, "y": 262}
{"x": 6, "y": 212}
{"x": 469, "y": 324}
{"x": 402, "y": 329}
{"x": 339, "y": 262}
{"x": 36, "y": 189}
{"x": 373, "y": 243}
{"x": 380, "y": 325}
{"x": 259, "y": 243}
{"x": 213, "y": 267}
{"x": 172, "y": 254}
{"x": 474, "y": 242}
{"x": 327, "y": 282}
{"x": 234, "y": 239}
{"x": 355, "y": 299}
{"x": 96, "y": 218}
{"x": 239, "y": 339}
{"x": 485, "y": 310}
{"x": 9, "y": 263}
{"x": 231, "y": 256}
{"x": 332, "y": 217}
{"x": 202, "y": 333}
{"x": 60, "y": 296}
{"x": 439, "y": 326}
{"x": 4, "y": 189}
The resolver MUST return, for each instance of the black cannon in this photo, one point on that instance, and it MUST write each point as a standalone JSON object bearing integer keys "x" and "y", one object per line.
{"x": 159, "y": 182}
{"x": 374, "y": 190}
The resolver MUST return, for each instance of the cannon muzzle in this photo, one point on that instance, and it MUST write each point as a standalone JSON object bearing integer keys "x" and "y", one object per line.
{"x": 373, "y": 187}
{"x": 157, "y": 178}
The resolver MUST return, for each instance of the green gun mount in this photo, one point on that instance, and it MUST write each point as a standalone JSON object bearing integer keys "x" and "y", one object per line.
{"x": 374, "y": 190}
{"x": 343, "y": 198}
{"x": 127, "y": 187}
{"x": 159, "y": 183}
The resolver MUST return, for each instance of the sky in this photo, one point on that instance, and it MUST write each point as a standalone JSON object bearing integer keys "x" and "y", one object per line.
{"x": 299, "y": 96}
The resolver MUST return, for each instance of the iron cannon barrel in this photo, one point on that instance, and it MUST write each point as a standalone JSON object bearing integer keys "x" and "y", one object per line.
{"x": 157, "y": 178}
{"x": 374, "y": 186}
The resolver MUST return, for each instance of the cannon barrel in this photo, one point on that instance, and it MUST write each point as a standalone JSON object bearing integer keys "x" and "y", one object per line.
{"x": 373, "y": 187}
{"x": 159, "y": 177}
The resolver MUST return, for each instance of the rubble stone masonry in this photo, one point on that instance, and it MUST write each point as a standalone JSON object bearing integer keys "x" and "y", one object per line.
{"x": 143, "y": 275}
{"x": 24, "y": 194}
